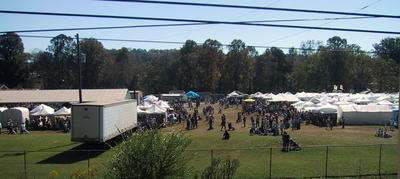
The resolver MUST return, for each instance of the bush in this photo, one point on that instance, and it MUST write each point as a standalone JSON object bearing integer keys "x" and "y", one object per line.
{"x": 53, "y": 174}
{"x": 85, "y": 174}
{"x": 221, "y": 169}
{"x": 150, "y": 155}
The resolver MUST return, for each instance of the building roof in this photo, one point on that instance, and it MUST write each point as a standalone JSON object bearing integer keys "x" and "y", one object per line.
{"x": 62, "y": 95}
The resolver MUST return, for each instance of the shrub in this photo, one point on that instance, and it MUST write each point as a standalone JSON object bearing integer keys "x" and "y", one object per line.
{"x": 85, "y": 174}
{"x": 150, "y": 155}
{"x": 221, "y": 169}
{"x": 53, "y": 174}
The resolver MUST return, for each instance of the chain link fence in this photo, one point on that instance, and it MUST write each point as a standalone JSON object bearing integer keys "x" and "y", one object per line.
{"x": 264, "y": 162}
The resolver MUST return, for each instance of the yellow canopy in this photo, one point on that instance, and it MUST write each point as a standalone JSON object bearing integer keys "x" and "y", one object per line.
{"x": 249, "y": 100}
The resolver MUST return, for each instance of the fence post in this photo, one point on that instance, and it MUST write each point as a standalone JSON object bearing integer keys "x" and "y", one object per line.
{"x": 270, "y": 162}
{"x": 380, "y": 158}
{"x": 326, "y": 162}
{"x": 212, "y": 157}
{"x": 88, "y": 159}
{"x": 25, "y": 164}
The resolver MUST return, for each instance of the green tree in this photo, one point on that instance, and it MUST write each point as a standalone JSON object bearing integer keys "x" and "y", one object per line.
{"x": 65, "y": 68}
{"x": 238, "y": 72}
{"x": 210, "y": 56}
{"x": 94, "y": 64}
{"x": 186, "y": 66}
{"x": 385, "y": 75}
{"x": 150, "y": 155}
{"x": 389, "y": 48}
{"x": 13, "y": 68}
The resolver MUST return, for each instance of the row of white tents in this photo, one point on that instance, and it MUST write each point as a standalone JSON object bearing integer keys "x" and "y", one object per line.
{"x": 20, "y": 114}
{"x": 371, "y": 108}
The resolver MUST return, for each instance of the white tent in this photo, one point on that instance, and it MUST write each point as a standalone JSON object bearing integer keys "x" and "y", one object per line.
{"x": 64, "y": 111}
{"x": 42, "y": 110}
{"x": 154, "y": 109}
{"x": 17, "y": 115}
{"x": 328, "y": 109}
{"x": 371, "y": 114}
{"x": 140, "y": 111}
{"x": 163, "y": 104}
{"x": 384, "y": 102}
{"x": 233, "y": 94}
{"x": 150, "y": 99}
{"x": 3, "y": 109}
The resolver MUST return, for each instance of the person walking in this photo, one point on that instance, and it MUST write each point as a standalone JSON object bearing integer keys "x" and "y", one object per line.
{"x": 343, "y": 120}
{"x": 258, "y": 121}
{"x": 23, "y": 129}
{"x": 244, "y": 121}
{"x": 210, "y": 122}
{"x": 223, "y": 122}
{"x": 253, "y": 123}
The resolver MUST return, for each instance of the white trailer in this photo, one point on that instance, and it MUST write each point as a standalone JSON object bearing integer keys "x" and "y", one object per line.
{"x": 101, "y": 121}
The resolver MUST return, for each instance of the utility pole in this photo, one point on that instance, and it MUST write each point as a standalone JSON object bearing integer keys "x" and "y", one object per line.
{"x": 80, "y": 71}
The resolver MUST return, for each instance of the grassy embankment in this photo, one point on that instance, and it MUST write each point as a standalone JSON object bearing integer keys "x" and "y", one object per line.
{"x": 49, "y": 150}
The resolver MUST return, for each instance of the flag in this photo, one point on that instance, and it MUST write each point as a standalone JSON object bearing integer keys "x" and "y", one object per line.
{"x": 341, "y": 87}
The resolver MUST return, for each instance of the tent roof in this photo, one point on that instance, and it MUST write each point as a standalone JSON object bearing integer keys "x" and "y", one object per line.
{"x": 3, "y": 109}
{"x": 154, "y": 109}
{"x": 63, "y": 111}
{"x": 42, "y": 110}
{"x": 192, "y": 94}
{"x": 62, "y": 95}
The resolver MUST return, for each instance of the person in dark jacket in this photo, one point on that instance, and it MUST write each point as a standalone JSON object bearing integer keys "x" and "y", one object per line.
{"x": 225, "y": 136}
{"x": 285, "y": 142}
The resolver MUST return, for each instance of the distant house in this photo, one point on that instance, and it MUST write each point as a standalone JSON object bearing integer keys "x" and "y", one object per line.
{"x": 3, "y": 87}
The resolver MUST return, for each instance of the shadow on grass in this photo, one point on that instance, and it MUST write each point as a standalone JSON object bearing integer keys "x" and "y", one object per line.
{"x": 40, "y": 150}
{"x": 81, "y": 152}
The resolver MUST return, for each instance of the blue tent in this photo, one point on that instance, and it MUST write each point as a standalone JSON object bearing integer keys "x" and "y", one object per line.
{"x": 192, "y": 94}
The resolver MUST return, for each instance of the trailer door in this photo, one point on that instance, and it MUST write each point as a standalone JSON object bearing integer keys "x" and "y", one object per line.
{"x": 86, "y": 123}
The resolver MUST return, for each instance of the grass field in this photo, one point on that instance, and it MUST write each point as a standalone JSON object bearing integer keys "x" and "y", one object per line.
{"x": 50, "y": 150}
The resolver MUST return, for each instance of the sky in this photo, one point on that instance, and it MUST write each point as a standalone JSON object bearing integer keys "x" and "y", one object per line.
{"x": 251, "y": 35}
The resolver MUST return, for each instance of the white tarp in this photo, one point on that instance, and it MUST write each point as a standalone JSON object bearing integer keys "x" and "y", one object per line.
{"x": 150, "y": 99}
{"x": 17, "y": 115}
{"x": 371, "y": 114}
{"x": 64, "y": 111}
{"x": 3, "y": 109}
{"x": 42, "y": 110}
{"x": 163, "y": 104}
{"x": 328, "y": 109}
{"x": 154, "y": 109}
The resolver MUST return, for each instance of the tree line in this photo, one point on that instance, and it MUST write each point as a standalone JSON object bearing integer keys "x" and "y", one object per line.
{"x": 314, "y": 67}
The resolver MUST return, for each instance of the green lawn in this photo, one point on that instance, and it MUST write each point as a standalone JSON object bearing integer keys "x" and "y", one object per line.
{"x": 50, "y": 150}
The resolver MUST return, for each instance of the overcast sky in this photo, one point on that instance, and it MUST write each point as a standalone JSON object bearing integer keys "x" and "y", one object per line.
{"x": 251, "y": 35}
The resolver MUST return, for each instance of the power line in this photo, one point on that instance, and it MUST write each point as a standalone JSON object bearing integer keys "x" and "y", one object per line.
{"x": 195, "y": 20}
{"x": 256, "y": 7}
{"x": 167, "y": 25}
{"x": 182, "y": 43}
{"x": 297, "y": 33}
{"x": 103, "y": 28}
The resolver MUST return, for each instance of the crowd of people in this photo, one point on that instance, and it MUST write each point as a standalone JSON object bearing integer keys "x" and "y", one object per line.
{"x": 37, "y": 122}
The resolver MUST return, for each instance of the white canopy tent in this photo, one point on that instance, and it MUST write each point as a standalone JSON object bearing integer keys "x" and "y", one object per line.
{"x": 17, "y": 115}
{"x": 64, "y": 111}
{"x": 150, "y": 99}
{"x": 3, "y": 109}
{"x": 42, "y": 110}
{"x": 371, "y": 114}
{"x": 154, "y": 109}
